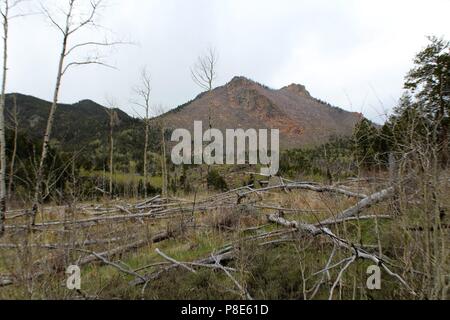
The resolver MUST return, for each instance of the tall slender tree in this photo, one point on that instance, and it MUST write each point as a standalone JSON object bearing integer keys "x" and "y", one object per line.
{"x": 6, "y": 7}
{"x": 429, "y": 81}
{"x": 77, "y": 15}
{"x": 143, "y": 92}
{"x": 12, "y": 162}
{"x": 113, "y": 120}
{"x": 204, "y": 73}
{"x": 161, "y": 125}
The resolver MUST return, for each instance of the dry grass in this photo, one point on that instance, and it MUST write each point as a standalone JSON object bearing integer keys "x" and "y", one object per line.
{"x": 268, "y": 270}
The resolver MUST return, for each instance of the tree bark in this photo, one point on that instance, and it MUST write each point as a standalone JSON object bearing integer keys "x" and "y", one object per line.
{"x": 14, "y": 153}
{"x": 111, "y": 151}
{"x": 51, "y": 118}
{"x": 364, "y": 203}
{"x": 145, "y": 154}
{"x": 163, "y": 163}
{"x": 2, "y": 123}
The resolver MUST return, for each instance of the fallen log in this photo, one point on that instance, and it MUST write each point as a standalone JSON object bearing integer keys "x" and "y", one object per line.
{"x": 6, "y": 281}
{"x": 363, "y": 204}
{"x": 154, "y": 215}
{"x": 316, "y": 188}
{"x": 312, "y": 230}
{"x": 225, "y": 254}
{"x": 125, "y": 248}
{"x": 54, "y": 246}
{"x": 342, "y": 220}
{"x": 329, "y": 189}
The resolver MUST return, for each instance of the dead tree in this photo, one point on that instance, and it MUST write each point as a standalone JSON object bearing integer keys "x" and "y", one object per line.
{"x": 204, "y": 70}
{"x": 74, "y": 20}
{"x": 15, "y": 121}
{"x": 113, "y": 120}
{"x": 159, "y": 110}
{"x": 143, "y": 92}
{"x": 5, "y": 11}
{"x": 204, "y": 74}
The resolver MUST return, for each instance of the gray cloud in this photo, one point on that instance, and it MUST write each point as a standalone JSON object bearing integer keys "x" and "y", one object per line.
{"x": 353, "y": 54}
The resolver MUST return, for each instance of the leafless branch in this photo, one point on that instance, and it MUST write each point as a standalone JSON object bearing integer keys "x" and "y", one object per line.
{"x": 204, "y": 70}
{"x": 349, "y": 262}
{"x": 162, "y": 254}
{"x": 113, "y": 264}
{"x": 83, "y": 63}
{"x": 238, "y": 285}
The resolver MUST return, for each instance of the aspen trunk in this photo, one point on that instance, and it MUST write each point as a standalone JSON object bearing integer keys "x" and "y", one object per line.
{"x": 48, "y": 130}
{"x": 14, "y": 153}
{"x": 111, "y": 152}
{"x": 163, "y": 164}
{"x": 2, "y": 124}
{"x": 145, "y": 156}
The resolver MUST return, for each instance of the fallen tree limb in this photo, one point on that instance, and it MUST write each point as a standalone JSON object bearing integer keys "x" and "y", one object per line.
{"x": 342, "y": 220}
{"x": 107, "y": 254}
{"x": 264, "y": 206}
{"x": 363, "y": 204}
{"x": 329, "y": 189}
{"x": 5, "y": 281}
{"x": 237, "y": 284}
{"x": 323, "y": 272}
{"x": 341, "y": 273}
{"x": 93, "y": 257}
{"x": 312, "y": 230}
{"x": 162, "y": 254}
{"x": 150, "y": 215}
{"x": 225, "y": 254}
{"x": 54, "y": 246}
{"x": 115, "y": 265}
{"x": 310, "y": 187}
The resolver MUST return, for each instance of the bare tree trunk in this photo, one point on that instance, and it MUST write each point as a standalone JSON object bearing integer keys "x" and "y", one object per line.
{"x": 144, "y": 91}
{"x": 112, "y": 116}
{"x": 111, "y": 152}
{"x": 2, "y": 123}
{"x": 203, "y": 74}
{"x": 14, "y": 153}
{"x": 67, "y": 29}
{"x": 163, "y": 163}
{"x": 145, "y": 155}
{"x": 48, "y": 130}
{"x": 443, "y": 136}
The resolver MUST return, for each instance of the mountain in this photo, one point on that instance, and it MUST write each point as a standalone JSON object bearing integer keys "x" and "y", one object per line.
{"x": 243, "y": 103}
{"x": 75, "y": 126}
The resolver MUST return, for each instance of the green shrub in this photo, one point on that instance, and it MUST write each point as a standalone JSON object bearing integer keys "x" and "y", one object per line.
{"x": 216, "y": 181}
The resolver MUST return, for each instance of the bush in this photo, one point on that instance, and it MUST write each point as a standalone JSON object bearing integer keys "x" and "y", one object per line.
{"x": 216, "y": 181}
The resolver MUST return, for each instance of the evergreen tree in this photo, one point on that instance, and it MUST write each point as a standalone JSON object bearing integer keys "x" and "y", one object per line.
{"x": 429, "y": 82}
{"x": 216, "y": 181}
{"x": 364, "y": 139}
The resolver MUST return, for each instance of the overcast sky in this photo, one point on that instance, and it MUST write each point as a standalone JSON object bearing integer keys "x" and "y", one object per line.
{"x": 351, "y": 53}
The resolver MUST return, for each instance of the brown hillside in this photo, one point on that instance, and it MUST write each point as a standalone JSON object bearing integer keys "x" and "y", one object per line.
{"x": 243, "y": 103}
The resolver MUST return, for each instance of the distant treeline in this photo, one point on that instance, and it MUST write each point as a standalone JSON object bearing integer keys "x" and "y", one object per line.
{"x": 421, "y": 116}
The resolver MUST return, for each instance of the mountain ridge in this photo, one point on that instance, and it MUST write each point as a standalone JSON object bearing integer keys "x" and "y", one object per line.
{"x": 241, "y": 103}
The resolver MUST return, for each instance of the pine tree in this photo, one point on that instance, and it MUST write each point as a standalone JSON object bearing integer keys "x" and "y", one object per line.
{"x": 429, "y": 82}
{"x": 364, "y": 139}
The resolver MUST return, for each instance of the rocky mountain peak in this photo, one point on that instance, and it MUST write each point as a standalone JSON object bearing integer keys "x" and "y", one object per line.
{"x": 240, "y": 81}
{"x": 297, "y": 88}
